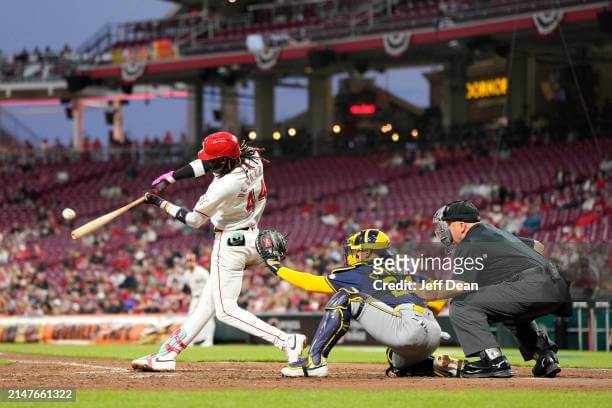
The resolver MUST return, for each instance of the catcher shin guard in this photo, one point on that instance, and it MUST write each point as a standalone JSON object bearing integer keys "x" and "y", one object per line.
{"x": 334, "y": 324}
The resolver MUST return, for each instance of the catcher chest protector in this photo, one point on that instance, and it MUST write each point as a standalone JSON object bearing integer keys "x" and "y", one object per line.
{"x": 334, "y": 324}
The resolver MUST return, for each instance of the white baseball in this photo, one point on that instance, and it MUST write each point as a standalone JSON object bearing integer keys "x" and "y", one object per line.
{"x": 68, "y": 213}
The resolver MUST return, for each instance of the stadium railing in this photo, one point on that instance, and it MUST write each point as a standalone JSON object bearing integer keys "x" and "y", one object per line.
{"x": 199, "y": 33}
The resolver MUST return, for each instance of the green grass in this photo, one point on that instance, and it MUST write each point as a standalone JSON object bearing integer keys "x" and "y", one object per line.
{"x": 5, "y": 362}
{"x": 341, "y": 354}
{"x": 333, "y": 398}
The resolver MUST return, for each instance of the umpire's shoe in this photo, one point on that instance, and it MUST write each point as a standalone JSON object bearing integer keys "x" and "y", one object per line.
{"x": 306, "y": 367}
{"x": 486, "y": 367}
{"x": 547, "y": 365}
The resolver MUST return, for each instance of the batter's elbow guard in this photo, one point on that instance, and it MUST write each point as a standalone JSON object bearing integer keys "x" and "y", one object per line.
{"x": 181, "y": 215}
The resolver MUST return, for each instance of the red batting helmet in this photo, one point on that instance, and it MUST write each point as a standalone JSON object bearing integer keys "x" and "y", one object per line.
{"x": 219, "y": 144}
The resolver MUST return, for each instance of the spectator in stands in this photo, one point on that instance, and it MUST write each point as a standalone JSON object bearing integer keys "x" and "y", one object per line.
{"x": 590, "y": 217}
{"x": 533, "y": 220}
{"x": 350, "y": 226}
{"x": 23, "y": 56}
{"x": 425, "y": 162}
{"x": 66, "y": 51}
{"x": 606, "y": 164}
{"x": 396, "y": 160}
{"x": 49, "y": 55}
{"x": 307, "y": 209}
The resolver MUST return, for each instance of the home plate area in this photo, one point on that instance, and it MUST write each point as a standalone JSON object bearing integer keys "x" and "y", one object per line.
{"x": 29, "y": 370}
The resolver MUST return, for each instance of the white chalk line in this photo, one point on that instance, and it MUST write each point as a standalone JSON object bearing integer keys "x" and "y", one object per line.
{"x": 97, "y": 369}
{"x": 73, "y": 364}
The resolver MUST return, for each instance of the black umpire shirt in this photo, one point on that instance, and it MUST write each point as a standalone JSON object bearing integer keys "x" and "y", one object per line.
{"x": 496, "y": 256}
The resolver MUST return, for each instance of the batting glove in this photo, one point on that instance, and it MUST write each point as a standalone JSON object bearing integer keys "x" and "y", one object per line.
{"x": 159, "y": 184}
{"x": 154, "y": 199}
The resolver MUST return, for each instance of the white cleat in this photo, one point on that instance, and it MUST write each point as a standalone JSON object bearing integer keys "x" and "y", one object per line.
{"x": 306, "y": 368}
{"x": 294, "y": 345}
{"x": 153, "y": 363}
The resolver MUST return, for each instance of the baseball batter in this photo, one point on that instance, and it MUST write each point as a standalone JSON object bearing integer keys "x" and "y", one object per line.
{"x": 399, "y": 320}
{"x": 234, "y": 203}
{"x": 197, "y": 277}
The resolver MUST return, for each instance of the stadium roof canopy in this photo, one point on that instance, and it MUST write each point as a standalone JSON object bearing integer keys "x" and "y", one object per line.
{"x": 217, "y": 3}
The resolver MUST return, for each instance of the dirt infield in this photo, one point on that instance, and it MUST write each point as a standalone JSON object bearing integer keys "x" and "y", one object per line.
{"x": 45, "y": 371}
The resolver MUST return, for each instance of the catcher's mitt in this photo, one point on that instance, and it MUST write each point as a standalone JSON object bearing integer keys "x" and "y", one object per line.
{"x": 271, "y": 245}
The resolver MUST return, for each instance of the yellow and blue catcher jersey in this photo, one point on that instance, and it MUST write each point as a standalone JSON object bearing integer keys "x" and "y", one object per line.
{"x": 362, "y": 277}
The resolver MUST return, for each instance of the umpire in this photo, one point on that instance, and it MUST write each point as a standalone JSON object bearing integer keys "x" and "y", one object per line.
{"x": 516, "y": 284}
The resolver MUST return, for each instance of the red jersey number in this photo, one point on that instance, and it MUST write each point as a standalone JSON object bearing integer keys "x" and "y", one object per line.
{"x": 263, "y": 192}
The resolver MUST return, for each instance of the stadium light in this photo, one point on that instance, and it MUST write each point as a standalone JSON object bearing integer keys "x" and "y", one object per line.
{"x": 292, "y": 132}
{"x": 395, "y": 137}
{"x": 414, "y": 133}
{"x": 252, "y": 135}
{"x": 336, "y": 129}
{"x": 276, "y": 135}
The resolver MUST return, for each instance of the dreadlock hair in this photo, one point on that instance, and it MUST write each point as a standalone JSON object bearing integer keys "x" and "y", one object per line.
{"x": 247, "y": 154}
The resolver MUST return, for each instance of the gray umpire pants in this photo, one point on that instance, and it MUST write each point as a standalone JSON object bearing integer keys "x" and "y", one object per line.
{"x": 412, "y": 332}
{"x": 530, "y": 294}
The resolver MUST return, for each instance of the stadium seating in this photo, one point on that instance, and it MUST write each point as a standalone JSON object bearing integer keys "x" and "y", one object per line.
{"x": 339, "y": 179}
{"x": 93, "y": 188}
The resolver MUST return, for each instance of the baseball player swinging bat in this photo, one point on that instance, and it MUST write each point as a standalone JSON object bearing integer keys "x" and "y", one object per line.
{"x": 94, "y": 224}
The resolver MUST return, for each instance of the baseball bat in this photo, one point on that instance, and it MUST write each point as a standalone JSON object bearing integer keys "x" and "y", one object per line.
{"x": 96, "y": 223}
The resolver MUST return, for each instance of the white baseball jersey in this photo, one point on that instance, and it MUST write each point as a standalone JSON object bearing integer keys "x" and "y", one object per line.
{"x": 237, "y": 199}
{"x": 232, "y": 202}
{"x": 198, "y": 276}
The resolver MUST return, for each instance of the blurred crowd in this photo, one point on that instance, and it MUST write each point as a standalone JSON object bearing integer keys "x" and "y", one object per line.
{"x": 36, "y": 63}
{"x": 141, "y": 276}
{"x": 134, "y": 278}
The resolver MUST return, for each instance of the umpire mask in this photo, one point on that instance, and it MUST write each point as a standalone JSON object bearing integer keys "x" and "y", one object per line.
{"x": 461, "y": 210}
{"x": 441, "y": 227}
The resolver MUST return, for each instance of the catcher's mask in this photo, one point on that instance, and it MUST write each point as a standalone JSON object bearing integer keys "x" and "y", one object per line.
{"x": 461, "y": 210}
{"x": 366, "y": 240}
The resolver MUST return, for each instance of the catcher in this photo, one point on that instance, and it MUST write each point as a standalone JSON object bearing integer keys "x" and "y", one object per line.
{"x": 399, "y": 320}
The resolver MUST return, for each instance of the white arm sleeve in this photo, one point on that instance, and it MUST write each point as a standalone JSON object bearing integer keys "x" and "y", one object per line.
{"x": 192, "y": 218}
{"x": 195, "y": 220}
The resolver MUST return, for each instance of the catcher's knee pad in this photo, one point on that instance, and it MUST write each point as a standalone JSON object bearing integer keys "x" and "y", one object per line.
{"x": 339, "y": 299}
{"x": 396, "y": 368}
{"x": 350, "y": 300}
{"x": 334, "y": 324}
